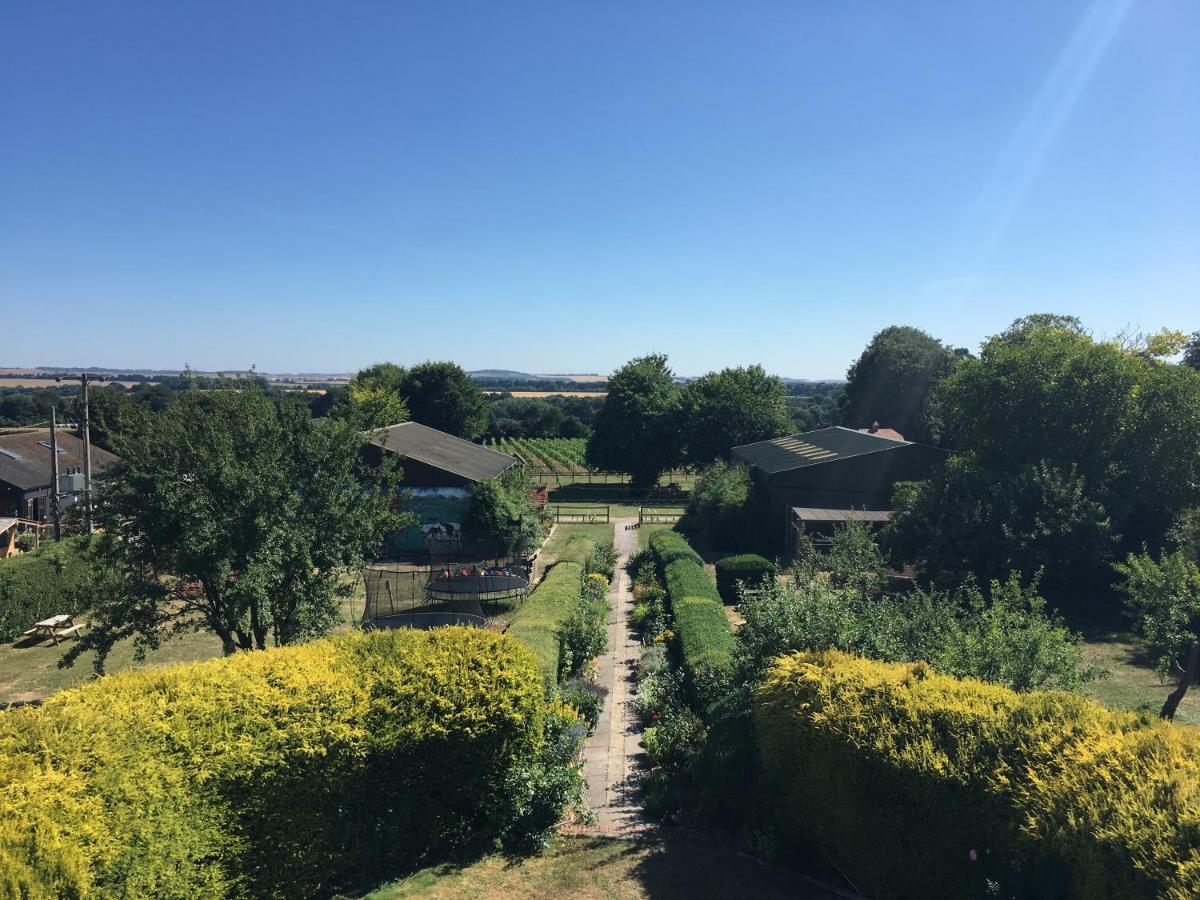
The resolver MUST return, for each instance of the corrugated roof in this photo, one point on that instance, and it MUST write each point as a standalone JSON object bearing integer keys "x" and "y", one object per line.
{"x": 444, "y": 451}
{"x": 25, "y": 457}
{"x": 812, "y": 448}
{"x": 812, "y": 514}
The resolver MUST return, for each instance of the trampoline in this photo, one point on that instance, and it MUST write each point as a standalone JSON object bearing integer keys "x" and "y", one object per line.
{"x": 404, "y": 597}
{"x": 484, "y": 588}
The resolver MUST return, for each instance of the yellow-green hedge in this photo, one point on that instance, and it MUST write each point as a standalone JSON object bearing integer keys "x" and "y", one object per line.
{"x": 922, "y": 785}
{"x": 291, "y": 772}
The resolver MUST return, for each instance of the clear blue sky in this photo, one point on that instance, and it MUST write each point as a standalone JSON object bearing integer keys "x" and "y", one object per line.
{"x": 561, "y": 186}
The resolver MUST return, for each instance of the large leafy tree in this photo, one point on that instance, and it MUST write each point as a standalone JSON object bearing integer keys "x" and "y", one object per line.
{"x": 442, "y": 396}
{"x": 891, "y": 381}
{"x": 637, "y": 428}
{"x": 238, "y": 514}
{"x": 1191, "y": 351}
{"x": 1127, "y": 423}
{"x": 375, "y": 397}
{"x": 734, "y": 406}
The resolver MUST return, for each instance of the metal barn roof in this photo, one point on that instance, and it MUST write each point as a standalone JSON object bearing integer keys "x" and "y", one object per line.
{"x": 25, "y": 457}
{"x": 812, "y": 448}
{"x": 444, "y": 451}
{"x": 811, "y": 514}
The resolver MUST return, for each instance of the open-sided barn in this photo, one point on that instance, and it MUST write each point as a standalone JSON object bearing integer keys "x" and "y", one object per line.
{"x": 833, "y": 469}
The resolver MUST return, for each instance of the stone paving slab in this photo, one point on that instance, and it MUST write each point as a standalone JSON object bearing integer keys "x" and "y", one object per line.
{"x": 613, "y": 752}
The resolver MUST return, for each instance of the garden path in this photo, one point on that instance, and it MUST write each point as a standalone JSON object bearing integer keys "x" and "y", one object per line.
{"x": 612, "y": 753}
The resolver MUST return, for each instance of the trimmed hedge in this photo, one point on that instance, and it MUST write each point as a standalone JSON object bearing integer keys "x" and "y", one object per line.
{"x": 704, "y": 633}
{"x": 924, "y": 785}
{"x": 291, "y": 772}
{"x": 748, "y": 567}
{"x": 58, "y": 578}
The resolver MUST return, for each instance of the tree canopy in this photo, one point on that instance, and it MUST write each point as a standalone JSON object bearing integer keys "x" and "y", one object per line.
{"x": 442, "y": 396}
{"x": 734, "y": 406}
{"x": 637, "y": 428}
{"x": 232, "y": 512}
{"x": 892, "y": 379}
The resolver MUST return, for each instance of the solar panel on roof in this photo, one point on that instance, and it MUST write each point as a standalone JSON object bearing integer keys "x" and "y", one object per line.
{"x": 11, "y": 454}
{"x": 46, "y": 444}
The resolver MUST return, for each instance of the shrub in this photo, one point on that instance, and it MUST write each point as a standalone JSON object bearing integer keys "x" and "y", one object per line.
{"x": 675, "y": 739}
{"x": 64, "y": 577}
{"x": 748, "y": 567}
{"x": 583, "y": 635}
{"x": 920, "y": 784}
{"x": 586, "y": 697}
{"x": 536, "y": 624}
{"x": 291, "y": 772}
{"x": 603, "y": 561}
{"x": 705, "y": 636}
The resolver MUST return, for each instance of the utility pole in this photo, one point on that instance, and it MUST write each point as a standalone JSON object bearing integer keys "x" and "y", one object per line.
{"x": 55, "y": 508}
{"x": 87, "y": 457}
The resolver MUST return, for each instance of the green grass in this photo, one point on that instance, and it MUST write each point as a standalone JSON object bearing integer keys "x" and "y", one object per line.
{"x": 592, "y": 868}
{"x": 29, "y": 671}
{"x": 645, "y": 533}
{"x": 1132, "y": 682}
{"x": 552, "y": 550}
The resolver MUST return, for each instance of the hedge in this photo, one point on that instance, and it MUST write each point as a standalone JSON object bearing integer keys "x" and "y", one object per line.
{"x": 704, "y": 633}
{"x": 58, "y": 578}
{"x": 290, "y": 772}
{"x": 748, "y": 567}
{"x": 920, "y": 784}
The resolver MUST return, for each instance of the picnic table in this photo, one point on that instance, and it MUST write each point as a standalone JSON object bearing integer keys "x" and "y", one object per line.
{"x": 56, "y": 628}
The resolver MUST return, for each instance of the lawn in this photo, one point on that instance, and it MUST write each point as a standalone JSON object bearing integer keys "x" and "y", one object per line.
{"x": 553, "y": 548}
{"x": 30, "y": 671}
{"x": 587, "y": 868}
{"x": 1133, "y": 682}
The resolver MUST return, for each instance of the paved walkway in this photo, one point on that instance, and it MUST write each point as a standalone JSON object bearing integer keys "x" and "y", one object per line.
{"x": 612, "y": 753}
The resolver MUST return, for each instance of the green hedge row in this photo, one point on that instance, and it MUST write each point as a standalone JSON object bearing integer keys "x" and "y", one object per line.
{"x": 286, "y": 773}
{"x": 59, "y": 578}
{"x": 537, "y": 622}
{"x": 923, "y": 785}
{"x": 746, "y": 567}
{"x": 704, "y": 634}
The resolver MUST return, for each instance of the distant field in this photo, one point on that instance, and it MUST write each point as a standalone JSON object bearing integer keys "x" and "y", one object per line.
{"x": 550, "y": 393}
{"x": 8, "y": 381}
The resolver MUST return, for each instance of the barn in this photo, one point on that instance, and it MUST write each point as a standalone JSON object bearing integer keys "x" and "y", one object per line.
{"x": 25, "y": 471}
{"x": 441, "y": 472}
{"x": 815, "y": 479}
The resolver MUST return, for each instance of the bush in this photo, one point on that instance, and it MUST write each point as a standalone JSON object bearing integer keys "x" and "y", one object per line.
{"x": 64, "y": 577}
{"x": 748, "y": 567}
{"x": 536, "y": 624}
{"x": 603, "y": 561}
{"x": 923, "y": 785}
{"x": 584, "y": 634}
{"x": 292, "y": 772}
{"x": 705, "y": 636}
{"x": 586, "y": 697}
{"x": 675, "y": 739}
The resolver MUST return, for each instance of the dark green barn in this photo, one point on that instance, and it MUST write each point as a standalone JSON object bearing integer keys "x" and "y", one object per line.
{"x": 833, "y": 469}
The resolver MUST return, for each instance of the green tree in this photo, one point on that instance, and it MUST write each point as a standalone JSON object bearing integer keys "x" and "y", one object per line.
{"x": 1191, "y": 351}
{"x": 724, "y": 409}
{"x": 374, "y": 398}
{"x": 891, "y": 381}
{"x": 237, "y": 514}
{"x": 637, "y": 428}
{"x": 1126, "y": 423}
{"x": 442, "y": 396}
{"x": 1164, "y": 597}
{"x": 502, "y": 509}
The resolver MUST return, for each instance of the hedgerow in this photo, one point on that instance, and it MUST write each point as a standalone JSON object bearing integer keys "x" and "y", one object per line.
{"x": 925, "y": 785}
{"x": 291, "y": 772}
{"x": 746, "y": 567}
{"x": 704, "y": 633}
{"x": 537, "y": 622}
{"x": 59, "y": 578}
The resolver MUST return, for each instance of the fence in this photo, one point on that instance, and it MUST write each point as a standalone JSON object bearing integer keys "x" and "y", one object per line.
{"x": 578, "y": 513}
{"x": 561, "y": 479}
{"x": 396, "y": 589}
{"x": 656, "y": 514}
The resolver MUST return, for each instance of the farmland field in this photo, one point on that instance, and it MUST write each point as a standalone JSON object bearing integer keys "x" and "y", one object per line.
{"x": 599, "y": 395}
{"x": 560, "y": 462}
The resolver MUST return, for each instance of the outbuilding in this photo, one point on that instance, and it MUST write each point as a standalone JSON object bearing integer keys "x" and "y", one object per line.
{"x": 25, "y": 471}
{"x": 440, "y": 474}
{"x": 832, "y": 469}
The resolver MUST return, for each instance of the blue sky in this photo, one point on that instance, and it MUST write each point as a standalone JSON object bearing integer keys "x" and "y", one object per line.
{"x": 561, "y": 186}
